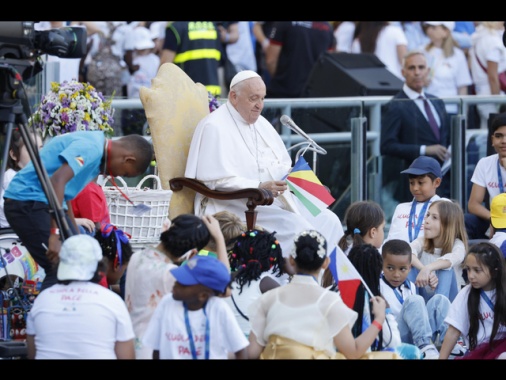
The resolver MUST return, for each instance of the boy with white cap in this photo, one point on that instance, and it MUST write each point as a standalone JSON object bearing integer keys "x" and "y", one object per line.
{"x": 77, "y": 318}
{"x": 191, "y": 322}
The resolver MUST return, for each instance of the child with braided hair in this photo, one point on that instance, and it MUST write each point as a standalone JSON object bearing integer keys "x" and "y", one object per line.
{"x": 117, "y": 251}
{"x": 365, "y": 224}
{"x": 255, "y": 259}
{"x": 369, "y": 264}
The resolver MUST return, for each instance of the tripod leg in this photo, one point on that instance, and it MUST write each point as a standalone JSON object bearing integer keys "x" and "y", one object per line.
{"x": 56, "y": 209}
{"x": 5, "y": 155}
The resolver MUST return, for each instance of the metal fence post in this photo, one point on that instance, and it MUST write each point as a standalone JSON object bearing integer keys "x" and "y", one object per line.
{"x": 358, "y": 159}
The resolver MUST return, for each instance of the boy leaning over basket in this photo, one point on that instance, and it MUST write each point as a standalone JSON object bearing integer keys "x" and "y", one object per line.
{"x": 71, "y": 160}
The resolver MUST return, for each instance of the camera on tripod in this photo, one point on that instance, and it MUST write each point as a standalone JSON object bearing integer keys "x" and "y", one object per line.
{"x": 20, "y": 48}
{"x": 19, "y": 40}
{"x": 21, "y": 44}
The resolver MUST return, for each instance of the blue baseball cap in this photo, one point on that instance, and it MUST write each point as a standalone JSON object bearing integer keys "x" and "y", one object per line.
{"x": 424, "y": 165}
{"x": 203, "y": 270}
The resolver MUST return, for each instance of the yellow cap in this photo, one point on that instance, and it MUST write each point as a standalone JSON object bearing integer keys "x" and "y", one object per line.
{"x": 498, "y": 211}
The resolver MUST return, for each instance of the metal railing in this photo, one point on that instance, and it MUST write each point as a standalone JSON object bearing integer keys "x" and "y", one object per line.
{"x": 365, "y": 130}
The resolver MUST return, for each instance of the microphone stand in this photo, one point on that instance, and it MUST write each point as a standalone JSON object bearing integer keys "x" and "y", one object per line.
{"x": 311, "y": 144}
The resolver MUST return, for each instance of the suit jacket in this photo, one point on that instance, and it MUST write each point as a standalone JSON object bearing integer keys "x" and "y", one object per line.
{"x": 404, "y": 127}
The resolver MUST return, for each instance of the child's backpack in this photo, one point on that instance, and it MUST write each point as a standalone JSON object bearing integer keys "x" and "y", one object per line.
{"x": 105, "y": 69}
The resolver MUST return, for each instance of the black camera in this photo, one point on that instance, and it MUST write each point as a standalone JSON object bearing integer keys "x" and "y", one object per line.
{"x": 19, "y": 40}
{"x": 21, "y": 45}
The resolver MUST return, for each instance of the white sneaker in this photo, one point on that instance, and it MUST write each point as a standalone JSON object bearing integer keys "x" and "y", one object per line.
{"x": 458, "y": 351}
{"x": 430, "y": 352}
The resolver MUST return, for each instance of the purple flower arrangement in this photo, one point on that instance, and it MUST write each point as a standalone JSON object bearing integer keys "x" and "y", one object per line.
{"x": 73, "y": 106}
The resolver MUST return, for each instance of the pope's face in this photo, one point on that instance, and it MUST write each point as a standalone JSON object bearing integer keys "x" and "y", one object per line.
{"x": 248, "y": 99}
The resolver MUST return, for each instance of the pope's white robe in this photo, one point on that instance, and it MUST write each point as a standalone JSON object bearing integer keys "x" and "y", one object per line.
{"x": 226, "y": 153}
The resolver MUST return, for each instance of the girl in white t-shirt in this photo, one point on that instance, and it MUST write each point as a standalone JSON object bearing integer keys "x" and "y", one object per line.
{"x": 478, "y": 313}
{"x": 441, "y": 250}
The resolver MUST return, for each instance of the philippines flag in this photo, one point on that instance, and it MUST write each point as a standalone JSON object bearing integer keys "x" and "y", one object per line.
{"x": 303, "y": 182}
{"x": 346, "y": 276}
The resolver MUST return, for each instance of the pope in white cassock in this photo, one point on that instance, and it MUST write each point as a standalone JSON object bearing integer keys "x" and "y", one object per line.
{"x": 235, "y": 147}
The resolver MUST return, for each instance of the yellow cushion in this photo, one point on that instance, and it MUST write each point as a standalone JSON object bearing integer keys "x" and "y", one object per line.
{"x": 174, "y": 105}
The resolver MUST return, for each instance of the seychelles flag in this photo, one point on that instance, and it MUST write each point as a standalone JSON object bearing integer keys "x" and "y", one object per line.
{"x": 346, "y": 276}
{"x": 307, "y": 187}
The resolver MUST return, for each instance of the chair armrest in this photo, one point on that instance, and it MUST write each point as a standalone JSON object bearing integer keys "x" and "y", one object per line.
{"x": 255, "y": 196}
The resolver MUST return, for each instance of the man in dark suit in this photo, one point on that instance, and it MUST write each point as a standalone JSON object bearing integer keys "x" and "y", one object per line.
{"x": 406, "y": 130}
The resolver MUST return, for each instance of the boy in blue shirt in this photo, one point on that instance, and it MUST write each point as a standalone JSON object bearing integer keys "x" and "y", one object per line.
{"x": 71, "y": 161}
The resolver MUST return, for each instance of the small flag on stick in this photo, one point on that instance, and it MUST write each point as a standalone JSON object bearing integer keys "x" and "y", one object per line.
{"x": 303, "y": 182}
{"x": 346, "y": 276}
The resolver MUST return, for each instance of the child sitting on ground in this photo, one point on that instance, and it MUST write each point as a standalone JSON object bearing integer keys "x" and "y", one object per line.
{"x": 204, "y": 323}
{"x": 302, "y": 320}
{"x": 441, "y": 249}
{"x": 368, "y": 262}
{"x": 478, "y": 313}
{"x": 419, "y": 323}
{"x": 255, "y": 260}
{"x": 365, "y": 224}
{"x": 117, "y": 251}
{"x": 148, "y": 276}
{"x": 424, "y": 179}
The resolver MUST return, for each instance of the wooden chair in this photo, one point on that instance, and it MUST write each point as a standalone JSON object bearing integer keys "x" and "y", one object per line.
{"x": 255, "y": 197}
{"x": 174, "y": 105}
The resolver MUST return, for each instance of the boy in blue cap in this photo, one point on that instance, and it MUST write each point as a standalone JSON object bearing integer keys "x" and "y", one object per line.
{"x": 190, "y": 322}
{"x": 424, "y": 179}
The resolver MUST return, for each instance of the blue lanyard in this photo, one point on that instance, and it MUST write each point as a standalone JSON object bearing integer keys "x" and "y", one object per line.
{"x": 398, "y": 291}
{"x": 190, "y": 335}
{"x": 419, "y": 222}
{"x": 499, "y": 177}
{"x": 487, "y": 299}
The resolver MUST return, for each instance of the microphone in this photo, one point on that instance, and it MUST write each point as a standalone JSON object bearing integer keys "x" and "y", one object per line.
{"x": 286, "y": 120}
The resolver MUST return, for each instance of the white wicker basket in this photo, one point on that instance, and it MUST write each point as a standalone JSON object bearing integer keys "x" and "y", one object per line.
{"x": 147, "y": 227}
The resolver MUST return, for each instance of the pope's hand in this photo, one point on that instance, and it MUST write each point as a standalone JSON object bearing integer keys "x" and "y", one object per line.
{"x": 275, "y": 187}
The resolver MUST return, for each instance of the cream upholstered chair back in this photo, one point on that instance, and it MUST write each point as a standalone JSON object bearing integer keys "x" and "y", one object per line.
{"x": 174, "y": 105}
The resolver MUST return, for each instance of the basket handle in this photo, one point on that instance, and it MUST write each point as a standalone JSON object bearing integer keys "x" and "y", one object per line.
{"x": 155, "y": 177}
{"x": 108, "y": 178}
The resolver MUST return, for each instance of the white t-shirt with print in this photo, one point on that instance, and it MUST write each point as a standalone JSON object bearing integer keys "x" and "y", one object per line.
{"x": 458, "y": 316}
{"x": 167, "y": 331}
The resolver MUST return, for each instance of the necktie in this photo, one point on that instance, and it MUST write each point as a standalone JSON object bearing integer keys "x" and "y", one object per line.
{"x": 430, "y": 115}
